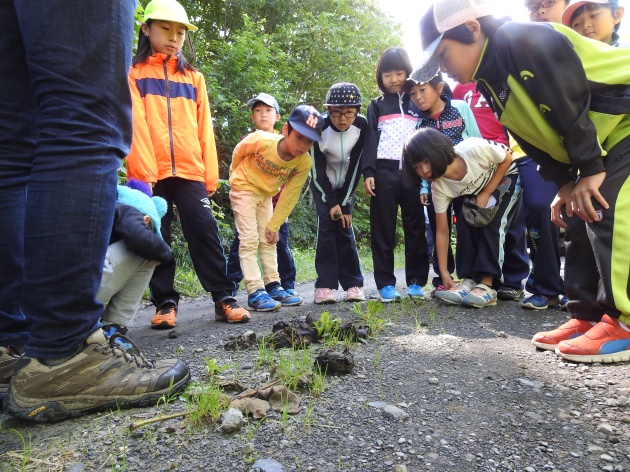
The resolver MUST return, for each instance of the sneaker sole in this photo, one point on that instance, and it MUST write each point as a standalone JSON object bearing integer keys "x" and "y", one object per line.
{"x": 55, "y": 411}
{"x": 163, "y": 325}
{"x": 292, "y": 304}
{"x": 389, "y": 300}
{"x": 448, "y": 302}
{"x": 355, "y": 299}
{"x": 492, "y": 302}
{"x": 623, "y": 356}
{"x": 325, "y": 301}
{"x": 225, "y": 318}
{"x": 262, "y": 310}
{"x": 530, "y": 306}
{"x": 544, "y": 346}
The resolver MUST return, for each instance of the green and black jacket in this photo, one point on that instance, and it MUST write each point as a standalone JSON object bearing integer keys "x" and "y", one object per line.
{"x": 565, "y": 98}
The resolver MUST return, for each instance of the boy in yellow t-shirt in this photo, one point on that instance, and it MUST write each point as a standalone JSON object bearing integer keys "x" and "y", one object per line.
{"x": 261, "y": 164}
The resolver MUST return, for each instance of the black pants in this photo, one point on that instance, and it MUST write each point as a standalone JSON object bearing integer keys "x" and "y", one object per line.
{"x": 393, "y": 189}
{"x": 480, "y": 251}
{"x": 597, "y": 261}
{"x": 202, "y": 234}
{"x": 336, "y": 257}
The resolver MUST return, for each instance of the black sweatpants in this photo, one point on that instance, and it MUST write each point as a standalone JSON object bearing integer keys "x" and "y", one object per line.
{"x": 393, "y": 189}
{"x": 202, "y": 234}
{"x": 597, "y": 261}
{"x": 480, "y": 251}
{"x": 336, "y": 257}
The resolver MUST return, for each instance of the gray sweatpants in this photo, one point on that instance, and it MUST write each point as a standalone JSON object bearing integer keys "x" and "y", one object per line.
{"x": 125, "y": 278}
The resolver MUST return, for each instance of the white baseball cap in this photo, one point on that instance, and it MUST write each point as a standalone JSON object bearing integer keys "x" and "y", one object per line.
{"x": 442, "y": 16}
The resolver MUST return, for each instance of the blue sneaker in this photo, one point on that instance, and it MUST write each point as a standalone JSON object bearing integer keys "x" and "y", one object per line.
{"x": 455, "y": 295}
{"x": 539, "y": 302}
{"x": 415, "y": 291}
{"x": 480, "y": 296}
{"x": 261, "y": 301}
{"x": 563, "y": 303}
{"x": 285, "y": 298}
{"x": 388, "y": 294}
{"x": 114, "y": 328}
{"x": 292, "y": 292}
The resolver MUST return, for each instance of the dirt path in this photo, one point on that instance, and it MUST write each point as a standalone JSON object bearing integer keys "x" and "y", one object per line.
{"x": 475, "y": 394}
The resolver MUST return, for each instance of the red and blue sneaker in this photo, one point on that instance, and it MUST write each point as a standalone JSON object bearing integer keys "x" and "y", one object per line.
{"x": 573, "y": 328}
{"x": 608, "y": 341}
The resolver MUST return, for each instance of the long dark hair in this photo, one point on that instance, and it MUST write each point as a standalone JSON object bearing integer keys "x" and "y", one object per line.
{"x": 461, "y": 34}
{"x": 144, "y": 51}
{"x": 392, "y": 59}
{"x": 427, "y": 144}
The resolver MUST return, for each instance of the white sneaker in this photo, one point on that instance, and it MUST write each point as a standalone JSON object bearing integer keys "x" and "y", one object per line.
{"x": 324, "y": 296}
{"x": 355, "y": 294}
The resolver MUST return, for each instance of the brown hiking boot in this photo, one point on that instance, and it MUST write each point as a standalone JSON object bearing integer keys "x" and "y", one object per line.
{"x": 165, "y": 316}
{"x": 99, "y": 377}
{"x": 228, "y": 310}
{"x": 11, "y": 359}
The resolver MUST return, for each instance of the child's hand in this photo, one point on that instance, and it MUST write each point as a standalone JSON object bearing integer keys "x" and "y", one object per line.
{"x": 335, "y": 213}
{"x": 482, "y": 199}
{"x": 448, "y": 281}
{"x": 369, "y": 185}
{"x": 211, "y": 193}
{"x": 586, "y": 189}
{"x": 346, "y": 221}
{"x": 562, "y": 200}
{"x": 271, "y": 236}
{"x": 424, "y": 199}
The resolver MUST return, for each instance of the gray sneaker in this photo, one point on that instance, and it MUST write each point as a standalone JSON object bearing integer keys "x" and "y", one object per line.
{"x": 99, "y": 377}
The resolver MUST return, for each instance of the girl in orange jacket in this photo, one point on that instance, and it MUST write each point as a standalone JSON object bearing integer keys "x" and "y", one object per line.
{"x": 173, "y": 150}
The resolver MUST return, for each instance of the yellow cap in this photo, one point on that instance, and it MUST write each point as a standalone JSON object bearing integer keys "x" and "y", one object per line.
{"x": 167, "y": 10}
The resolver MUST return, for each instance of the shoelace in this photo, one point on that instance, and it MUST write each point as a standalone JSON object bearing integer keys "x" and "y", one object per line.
{"x": 167, "y": 310}
{"x": 230, "y": 304}
{"x": 131, "y": 355}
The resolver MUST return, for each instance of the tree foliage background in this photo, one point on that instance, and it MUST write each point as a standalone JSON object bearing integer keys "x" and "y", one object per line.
{"x": 294, "y": 50}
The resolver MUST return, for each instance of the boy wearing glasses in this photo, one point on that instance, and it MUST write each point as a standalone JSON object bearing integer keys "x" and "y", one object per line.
{"x": 546, "y": 10}
{"x": 335, "y": 176}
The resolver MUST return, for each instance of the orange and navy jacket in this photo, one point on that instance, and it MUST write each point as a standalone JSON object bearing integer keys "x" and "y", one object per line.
{"x": 172, "y": 125}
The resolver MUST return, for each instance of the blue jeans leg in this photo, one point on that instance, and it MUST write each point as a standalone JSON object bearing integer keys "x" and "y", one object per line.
{"x": 65, "y": 123}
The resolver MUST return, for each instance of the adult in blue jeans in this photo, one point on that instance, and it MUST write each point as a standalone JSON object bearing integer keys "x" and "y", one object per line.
{"x": 65, "y": 123}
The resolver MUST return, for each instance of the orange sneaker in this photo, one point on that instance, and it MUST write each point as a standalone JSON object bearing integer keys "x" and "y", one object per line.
{"x": 571, "y": 329}
{"x": 607, "y": 341}
{"x": 165, "y": 316}
{"x": 228, "y": 310}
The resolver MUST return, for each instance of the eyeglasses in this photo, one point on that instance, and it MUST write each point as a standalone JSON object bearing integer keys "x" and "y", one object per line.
{"x": 533, "y": 7}
{"x": 346, "y": 114}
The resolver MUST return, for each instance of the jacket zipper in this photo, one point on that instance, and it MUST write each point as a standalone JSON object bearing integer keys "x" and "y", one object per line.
{"x": 170, "y": 119}
{"x": 343, "y": 158}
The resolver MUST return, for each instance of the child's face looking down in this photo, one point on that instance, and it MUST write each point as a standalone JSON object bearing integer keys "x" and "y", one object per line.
{"x": 459, "y": 60}
{"x": 546, "y": 10}
{"x": 425, "y": 97}
{"x": 264, "y": 117}
{"x": 166, "y": 37}
{"x": 294, "y": 143}
{"x": 597, "y": 24}
{"x": 394, "y": 80}
{"x": 342, "y": 117}
{"x": 423, "y": 169}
